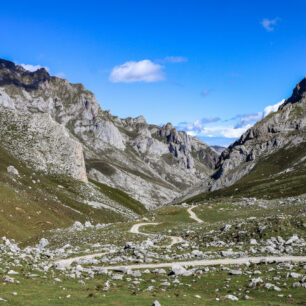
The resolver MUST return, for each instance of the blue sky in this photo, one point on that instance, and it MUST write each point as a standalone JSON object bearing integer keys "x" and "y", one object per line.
{"x": 209, "y": 67}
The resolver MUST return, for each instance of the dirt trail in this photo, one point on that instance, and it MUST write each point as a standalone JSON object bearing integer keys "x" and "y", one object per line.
{"x": 135, "y": 230}
{"x": 193, "y": 215}
{"x": 69, "y": 261}
{"x": 192, "y": 263}
{"x": 213, "y": 262}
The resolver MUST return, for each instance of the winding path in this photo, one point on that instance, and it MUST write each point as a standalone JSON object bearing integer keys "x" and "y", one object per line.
{"x": 193, "y": 215}
{"x": 213, "y": 262}
{"x": 135, "y": 230}
{"x": 68, "y": 261}
{"x": 192, "y": 263}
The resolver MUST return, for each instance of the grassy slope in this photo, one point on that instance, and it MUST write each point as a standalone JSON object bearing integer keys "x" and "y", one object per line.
{"x": 121, "y": 198}
{"x": 266, "y": 180}
{"x": 29, "y": 207}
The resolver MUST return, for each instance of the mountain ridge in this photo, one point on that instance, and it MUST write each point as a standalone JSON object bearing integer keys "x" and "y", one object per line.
{"x": 151, "y": 163}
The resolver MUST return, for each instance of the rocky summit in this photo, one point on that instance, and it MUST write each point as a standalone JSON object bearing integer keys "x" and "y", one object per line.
{"x": 59, "y": 127}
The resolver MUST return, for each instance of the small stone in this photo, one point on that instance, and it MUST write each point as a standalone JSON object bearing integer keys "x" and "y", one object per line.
{"x": 12, "y": 170}
{"x": 294, "y": 275}
{"x": 255, "y": 281}
{"x": 178, "y": 270}
{"x": 225, "y": 228}
{"x": 42, "y": 243}
{"x": 8, "y": 279}
{"x": 235, "y": 272}
{"x": 232, "y": 297}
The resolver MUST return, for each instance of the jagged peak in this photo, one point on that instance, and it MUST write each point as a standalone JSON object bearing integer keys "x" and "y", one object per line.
{"x": 299, "y": 92}
{"x": 12, "y": 74}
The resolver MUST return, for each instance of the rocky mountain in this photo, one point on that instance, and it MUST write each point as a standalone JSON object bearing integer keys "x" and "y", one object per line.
{"x": 218, "y": 149}
{"x": 271, "y": 155}
{"x": 285, "y": 128}
{"x": 59, "y": 128}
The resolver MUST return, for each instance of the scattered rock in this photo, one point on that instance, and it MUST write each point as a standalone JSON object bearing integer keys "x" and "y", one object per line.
{"x": 12, "y": 170}
{"x": 235, "y": 272}
{"x": 232, "y": 297}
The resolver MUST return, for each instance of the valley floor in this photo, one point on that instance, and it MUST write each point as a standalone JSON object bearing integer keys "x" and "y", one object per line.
{"x": 235, "y": 251}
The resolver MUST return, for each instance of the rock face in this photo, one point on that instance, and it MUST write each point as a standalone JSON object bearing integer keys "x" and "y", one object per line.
{"x": 151, "y": 163}
{"x": 282, "y": 129}
{"x": 42, "y": 143}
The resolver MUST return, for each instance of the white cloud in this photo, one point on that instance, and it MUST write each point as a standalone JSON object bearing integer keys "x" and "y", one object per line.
{"x": 248, "y": 119}
{"x": 191, "y": 133}
{"x": 142, "y": 71}
{"x": 272, "y": 108}
{"x": 230, "y": 128}
{"x": 269, "y": 24}
{"x": 223, "y": 131}
{"x": 32, "y": 68}
{"x": 176, "y": 59}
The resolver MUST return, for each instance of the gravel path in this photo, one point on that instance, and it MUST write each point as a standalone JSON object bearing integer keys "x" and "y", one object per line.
{"x": 193, "y": 215}
{"x": 135, "y": 230}
{"x": 69, "y": 261}
{"x": 174, "y": 239}
{"x": 213, "y": 262}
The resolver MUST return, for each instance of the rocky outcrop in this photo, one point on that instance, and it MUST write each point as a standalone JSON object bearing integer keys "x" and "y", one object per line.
{"x": 42, "y": 144}
{"x": 284, "y": 128}
{"x": 153, "y": 164}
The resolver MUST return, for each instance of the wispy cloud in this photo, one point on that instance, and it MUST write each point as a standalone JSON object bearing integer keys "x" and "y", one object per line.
{"x": 142, "y": 71}
{"x": 32, "y": 68}
{"x": 205, "y": 92}
{"x": 232, "y": 128}
{"x": 195, "y": 128}
{"x": 175, "y": 59}
{"x": 269, "y": 24}
{"x": 248, "y": 119}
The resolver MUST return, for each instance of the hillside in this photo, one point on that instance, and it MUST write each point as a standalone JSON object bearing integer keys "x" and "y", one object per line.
{"x": 33, "y": 202}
